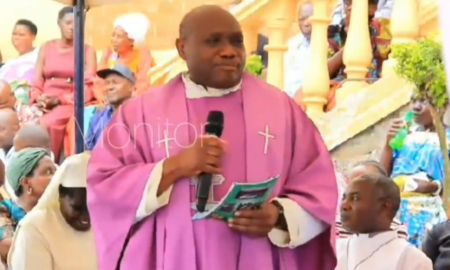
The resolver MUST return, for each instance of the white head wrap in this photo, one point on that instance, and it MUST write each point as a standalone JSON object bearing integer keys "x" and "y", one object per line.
{"x": 71, "y": 174}
{"x": 136, "y": 25}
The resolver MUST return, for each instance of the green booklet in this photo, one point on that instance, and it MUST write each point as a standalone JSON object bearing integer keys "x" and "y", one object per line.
{"x": 241, "y": 196}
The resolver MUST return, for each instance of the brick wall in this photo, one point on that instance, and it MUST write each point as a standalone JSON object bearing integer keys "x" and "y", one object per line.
{"x": 366, "y": 145}
{"x": 164, "y": 15}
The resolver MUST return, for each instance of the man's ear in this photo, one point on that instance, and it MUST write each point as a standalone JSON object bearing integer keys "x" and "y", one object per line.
{"x": 179, "y": 43}
{"x": 387, "y": 205}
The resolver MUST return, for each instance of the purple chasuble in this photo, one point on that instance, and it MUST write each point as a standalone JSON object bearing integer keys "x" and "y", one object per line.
{"x": 168, "y": 239}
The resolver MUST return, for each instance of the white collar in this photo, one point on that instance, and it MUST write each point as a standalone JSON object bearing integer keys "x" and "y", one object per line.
{"x": 387, "y": 235}
{"x": 194, "y": 90}
{"x": 298, "y": 41}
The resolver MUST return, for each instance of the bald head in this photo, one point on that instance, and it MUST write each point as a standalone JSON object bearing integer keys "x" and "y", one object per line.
{"x": 199, "y": 16}
{"x": 212, "y": 44}
{"x": 4, "y": 86}
{"x": 306, "y": 7}
{"x": 7, "y": 99}
{"x": 9, "y": 125}
{"x": 8, "y": 117}
{"x": 305, "y": 11}
{"x": 32, "y": 135}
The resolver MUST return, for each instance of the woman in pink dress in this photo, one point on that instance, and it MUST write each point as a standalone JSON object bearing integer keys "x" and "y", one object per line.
{"x": 52, "y": 92}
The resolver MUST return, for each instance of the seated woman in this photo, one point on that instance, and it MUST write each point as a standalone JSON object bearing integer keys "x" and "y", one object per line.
{"x": 28, "y": 173}
{"x": 365, "y": 168}
{"x": 19, "y": 72}
{"x": 52, "y": 92}
{"x": 56, "y": 234}
{"x": 418, "y": 170}
{"x": 380, "y": 37}
{"x": 127, "y": 49}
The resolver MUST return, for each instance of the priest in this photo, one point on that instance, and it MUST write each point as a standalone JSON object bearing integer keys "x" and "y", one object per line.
{"x": 143, "y": 172}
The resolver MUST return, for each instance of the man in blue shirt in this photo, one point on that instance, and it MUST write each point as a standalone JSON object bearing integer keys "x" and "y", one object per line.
{"x": 119, "y": 82}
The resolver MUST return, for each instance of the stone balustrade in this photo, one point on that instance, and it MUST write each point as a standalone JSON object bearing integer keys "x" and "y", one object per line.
{"x": 357, "y": 52}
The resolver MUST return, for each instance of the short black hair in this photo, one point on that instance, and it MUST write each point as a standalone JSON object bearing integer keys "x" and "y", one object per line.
{"x": 64, "y": 11}
{"x": 28, "y": 24}
{"x": 373, "y": 2}
{"x": 375, "y": 164}
{"x": 70, "y": 192}
{"x": 387, "y": 188}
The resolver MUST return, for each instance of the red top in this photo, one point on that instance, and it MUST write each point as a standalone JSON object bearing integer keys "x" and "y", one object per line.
{"x": 58, "y": 75}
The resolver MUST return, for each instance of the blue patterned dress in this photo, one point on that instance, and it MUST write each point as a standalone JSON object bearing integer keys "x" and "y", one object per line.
{"x": 10, "y": 215}
{"x": 420, "y": 157}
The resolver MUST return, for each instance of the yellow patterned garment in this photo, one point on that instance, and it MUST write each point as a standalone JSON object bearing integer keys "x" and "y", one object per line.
{"x": 401, "y": 183}
{"x": 383, "y": 40}
{"x": 380, "y": 37}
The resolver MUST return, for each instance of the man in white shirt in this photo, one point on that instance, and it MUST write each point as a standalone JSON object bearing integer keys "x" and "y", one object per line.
{"x": 368, "y": 207}
{"x": 297, "y": 56}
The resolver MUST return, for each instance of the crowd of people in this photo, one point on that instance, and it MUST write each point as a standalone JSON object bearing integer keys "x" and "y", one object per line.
{"x": 390, "y": 212}
{"x": 298, "y": 54}
{"x": 41, "y": 90}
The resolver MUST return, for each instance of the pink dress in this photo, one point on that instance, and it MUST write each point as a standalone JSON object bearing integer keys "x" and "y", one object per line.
{"x": 58, "y": 80}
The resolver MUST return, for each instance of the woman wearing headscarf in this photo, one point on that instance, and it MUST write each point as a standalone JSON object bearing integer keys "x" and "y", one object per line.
{"x": 28, "y": 173}
{"x": 128, "y": 49}
{"x": 56, "y": 234}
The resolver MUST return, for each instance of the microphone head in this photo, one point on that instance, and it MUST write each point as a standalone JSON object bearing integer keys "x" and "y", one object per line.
{"x": 215, "y": 123}
{"x": 216, "y": 117}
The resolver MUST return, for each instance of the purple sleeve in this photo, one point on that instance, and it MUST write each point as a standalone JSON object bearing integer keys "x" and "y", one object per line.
{"x": 312, "y": 179}
{"x": 117, "y": 174}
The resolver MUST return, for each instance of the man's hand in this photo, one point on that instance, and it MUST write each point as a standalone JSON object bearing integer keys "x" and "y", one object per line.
{"x": 204, "y": 156}
{"x": 395, "y": 127}
{"x": 256, "y": 223}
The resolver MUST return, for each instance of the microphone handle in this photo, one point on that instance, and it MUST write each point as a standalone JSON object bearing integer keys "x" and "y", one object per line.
{"x": 203, "y": 190}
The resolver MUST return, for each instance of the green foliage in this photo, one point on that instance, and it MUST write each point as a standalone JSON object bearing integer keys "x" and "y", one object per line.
{"x": 254, "y": 65}
{"x": 421, "y": 63}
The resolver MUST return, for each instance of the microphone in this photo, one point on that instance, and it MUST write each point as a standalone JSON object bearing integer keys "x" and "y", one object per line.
{"x": 214, "y": 127}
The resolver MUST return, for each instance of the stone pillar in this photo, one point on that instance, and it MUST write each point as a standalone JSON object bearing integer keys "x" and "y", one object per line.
{"x": 316, "y": 83}
{"x": 357, "y": 51}
{"x": 250, "y": 38}
{"x": 405, "y": 21}
{"x": 405, "y": 28}
{"x": 279, "y": 21}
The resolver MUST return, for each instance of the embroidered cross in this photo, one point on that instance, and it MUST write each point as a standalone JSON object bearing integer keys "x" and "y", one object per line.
{"x": 216, "y": 180}
{"x": 267, "y": 136}
{"x": 166, "y": 141}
